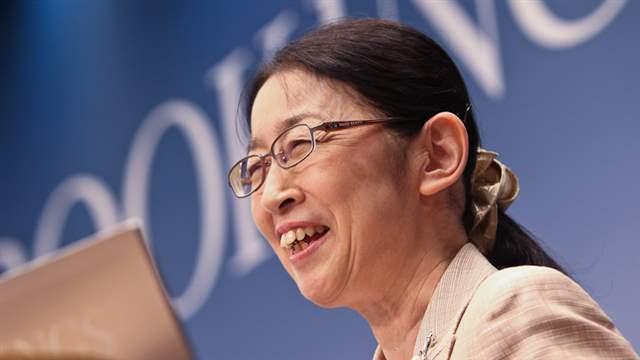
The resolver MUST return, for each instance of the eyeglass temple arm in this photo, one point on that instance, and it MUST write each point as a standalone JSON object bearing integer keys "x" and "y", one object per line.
{"x": 336, "y": 125}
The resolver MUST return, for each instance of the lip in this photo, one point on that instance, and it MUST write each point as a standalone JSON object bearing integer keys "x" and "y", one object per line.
{"x": 283, "y": 228}
{"x": 300, "y": 257}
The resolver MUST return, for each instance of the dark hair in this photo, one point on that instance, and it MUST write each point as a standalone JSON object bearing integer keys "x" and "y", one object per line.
{"x": 402, "y": 73}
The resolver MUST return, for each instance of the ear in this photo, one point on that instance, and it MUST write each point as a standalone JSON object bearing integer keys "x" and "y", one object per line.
{"x": 444, "y": 141}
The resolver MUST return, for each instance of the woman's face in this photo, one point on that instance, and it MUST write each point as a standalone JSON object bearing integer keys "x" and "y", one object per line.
{"x": 350, "y": 189}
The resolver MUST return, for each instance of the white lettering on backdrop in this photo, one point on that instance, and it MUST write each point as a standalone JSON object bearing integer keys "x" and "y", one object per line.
{"x": 11, "y": 253}
{"x": 477, "y": 47}
{"x": 84, "y": 189}
{"x": 202, "y": 140}
{"x": 542, "y": 26}
{"x": 226, "y": 78}
{"x": 329, "y": 10}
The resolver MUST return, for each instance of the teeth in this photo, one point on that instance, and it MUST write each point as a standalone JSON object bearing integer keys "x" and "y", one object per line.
{"x": 283, "y": 243}
{"x": 288, "y": 239}
{"x": 291, "y": 237}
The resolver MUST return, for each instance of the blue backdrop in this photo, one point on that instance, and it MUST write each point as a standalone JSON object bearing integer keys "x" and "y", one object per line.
{"x": 112, "y": 109}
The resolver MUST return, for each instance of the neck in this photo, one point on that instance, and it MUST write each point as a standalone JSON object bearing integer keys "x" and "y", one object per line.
{"x": 395, "y": 317}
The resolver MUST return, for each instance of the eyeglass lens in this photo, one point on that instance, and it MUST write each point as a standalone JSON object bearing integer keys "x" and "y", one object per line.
{"x": 246, "y": 175}
{"x": 289, "y": 149}
{"x": 293, "y": 145}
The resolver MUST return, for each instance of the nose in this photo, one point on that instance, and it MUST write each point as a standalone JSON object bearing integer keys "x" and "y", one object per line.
{"x": 279, "y": 193}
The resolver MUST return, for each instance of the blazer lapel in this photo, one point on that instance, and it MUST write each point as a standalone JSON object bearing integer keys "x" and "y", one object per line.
{"x": 450, "y": 299}
{"x": 462, "y": 277}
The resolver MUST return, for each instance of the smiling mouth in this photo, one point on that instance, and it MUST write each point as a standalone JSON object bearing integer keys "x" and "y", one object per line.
{"x": 298, "y": 239}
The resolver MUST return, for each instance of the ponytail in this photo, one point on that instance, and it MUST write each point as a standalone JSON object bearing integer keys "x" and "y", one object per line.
{"x": 514, "y": 246}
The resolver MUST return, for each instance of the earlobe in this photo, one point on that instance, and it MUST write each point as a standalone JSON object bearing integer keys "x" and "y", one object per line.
{"x": 444, "y": 138}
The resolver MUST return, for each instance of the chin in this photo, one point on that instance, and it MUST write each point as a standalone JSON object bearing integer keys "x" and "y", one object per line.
{"x": 323, "y": 302}
{"x": 319, "y": 292}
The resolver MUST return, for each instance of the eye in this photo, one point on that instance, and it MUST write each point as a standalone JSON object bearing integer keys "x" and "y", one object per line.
{"x": 249, "y": 169}
{"x": 298, "y": 142}
{"x": 295, "y": 149}
{"x": 293, "y": 145}
{"x": 253, "y": 169}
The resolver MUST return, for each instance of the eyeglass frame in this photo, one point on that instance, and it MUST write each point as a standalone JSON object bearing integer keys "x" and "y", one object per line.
{"x": 327, "y": 126}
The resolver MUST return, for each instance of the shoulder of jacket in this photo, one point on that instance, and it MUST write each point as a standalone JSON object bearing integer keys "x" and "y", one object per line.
{"x": 531, "y": 280}
{"x": 536, "y": 312}
{"x": 532, "y": 290}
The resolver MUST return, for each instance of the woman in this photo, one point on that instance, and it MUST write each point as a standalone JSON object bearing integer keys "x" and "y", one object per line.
{"x": 366, "y": 177}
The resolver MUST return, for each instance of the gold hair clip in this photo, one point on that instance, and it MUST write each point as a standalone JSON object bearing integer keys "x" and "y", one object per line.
{"x": 493, "y": 186}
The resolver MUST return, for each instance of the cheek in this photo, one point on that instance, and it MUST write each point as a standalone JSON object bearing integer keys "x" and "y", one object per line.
{"x": 261, "y": 218}
{"x": 368, "y": 194}
{"x": 264, "y": 222}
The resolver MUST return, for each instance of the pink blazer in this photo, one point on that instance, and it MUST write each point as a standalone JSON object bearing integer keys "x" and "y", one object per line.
{"x": 524, "y": 312}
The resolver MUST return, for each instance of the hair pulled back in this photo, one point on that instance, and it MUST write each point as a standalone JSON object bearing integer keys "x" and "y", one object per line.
{"x": 401, "y": 72}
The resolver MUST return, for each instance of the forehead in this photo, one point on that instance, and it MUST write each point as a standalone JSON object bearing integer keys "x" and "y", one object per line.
{"x": 295, "y": 95}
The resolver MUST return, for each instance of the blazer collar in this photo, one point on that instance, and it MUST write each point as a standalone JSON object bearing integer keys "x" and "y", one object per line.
{"x": 449, "y": 301}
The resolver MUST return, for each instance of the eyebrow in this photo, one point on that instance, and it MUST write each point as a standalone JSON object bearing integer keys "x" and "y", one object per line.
{"x": 285, "y": 124}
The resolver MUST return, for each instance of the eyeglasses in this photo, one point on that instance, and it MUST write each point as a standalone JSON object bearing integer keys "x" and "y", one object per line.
{"x": 289, "y": 149}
